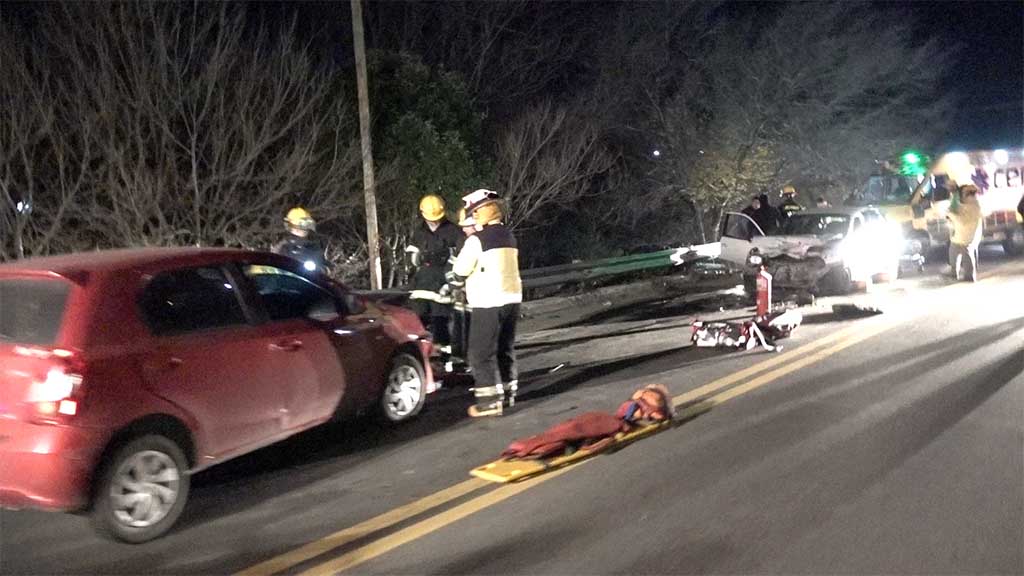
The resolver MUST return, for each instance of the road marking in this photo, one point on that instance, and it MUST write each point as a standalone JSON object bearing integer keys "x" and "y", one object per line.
{"x": 432, "y": 524}
{"x": 768, "y": 377}
{"x": 781, "y": 358}
{"x": 386, "y": 544}
{"x": 352, "y": 533}
{"x": 407, "y": 511}
{"x": 403, "y": 513}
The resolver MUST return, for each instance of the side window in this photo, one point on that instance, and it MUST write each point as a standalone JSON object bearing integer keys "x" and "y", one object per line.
{"x": 737, "y": 226}
{"x": 287, "y": 296}
{"x": 190, "y": 300}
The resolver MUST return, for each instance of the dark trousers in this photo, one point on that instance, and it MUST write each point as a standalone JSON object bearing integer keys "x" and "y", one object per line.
{"x": 435, "y": 319}
{"x": 492, "y": 353}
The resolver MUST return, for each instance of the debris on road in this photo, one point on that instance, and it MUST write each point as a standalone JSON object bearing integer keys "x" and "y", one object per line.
{"x": 855, "y": 310}
{"x": 748, "y": 334}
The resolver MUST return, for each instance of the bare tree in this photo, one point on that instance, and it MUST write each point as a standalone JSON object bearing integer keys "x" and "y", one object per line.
{"x": 46, "y": 150}
{"x": 787, "y": 98}
{"x": 201, "y": 131}
{"x": 549, "y": 158}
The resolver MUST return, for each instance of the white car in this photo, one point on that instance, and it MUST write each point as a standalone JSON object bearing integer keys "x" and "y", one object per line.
{"x": 822, "y": 250}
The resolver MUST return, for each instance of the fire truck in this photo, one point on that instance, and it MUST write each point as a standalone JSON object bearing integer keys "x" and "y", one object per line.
{"x": 916, "y": 193}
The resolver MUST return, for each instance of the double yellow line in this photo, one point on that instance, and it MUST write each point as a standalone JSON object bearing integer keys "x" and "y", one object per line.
{"x": 690, "y": 403}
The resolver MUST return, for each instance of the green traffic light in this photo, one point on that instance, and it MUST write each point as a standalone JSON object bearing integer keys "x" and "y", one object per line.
{"x": 911, "y": 158}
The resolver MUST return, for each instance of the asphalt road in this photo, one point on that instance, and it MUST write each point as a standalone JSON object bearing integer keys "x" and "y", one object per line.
{"x": 891, "y": 444}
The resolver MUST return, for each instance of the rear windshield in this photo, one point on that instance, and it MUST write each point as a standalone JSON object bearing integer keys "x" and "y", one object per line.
{"x": 31, "y": 309}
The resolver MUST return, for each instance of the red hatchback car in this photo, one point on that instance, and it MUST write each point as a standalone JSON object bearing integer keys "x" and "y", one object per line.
{"x": 123, "y": 372}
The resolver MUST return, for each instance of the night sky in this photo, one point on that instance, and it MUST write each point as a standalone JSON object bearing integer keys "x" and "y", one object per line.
{"x": 989, "y": 77}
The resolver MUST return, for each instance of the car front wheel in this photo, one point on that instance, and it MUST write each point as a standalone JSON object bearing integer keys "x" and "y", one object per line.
{"x": 141, "y": 490}
{"x": 405, "y": 390}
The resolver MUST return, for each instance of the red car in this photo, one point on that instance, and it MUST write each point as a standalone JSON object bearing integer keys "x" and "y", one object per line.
{"x": 123, "y": 372}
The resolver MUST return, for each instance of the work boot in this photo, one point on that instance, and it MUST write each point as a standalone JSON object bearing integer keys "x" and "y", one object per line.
{"x": 510, "y": 393}
{"x": 489, "y": 401}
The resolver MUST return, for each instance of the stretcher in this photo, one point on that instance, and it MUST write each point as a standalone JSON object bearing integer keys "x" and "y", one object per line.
{"x": 505, "y": 470}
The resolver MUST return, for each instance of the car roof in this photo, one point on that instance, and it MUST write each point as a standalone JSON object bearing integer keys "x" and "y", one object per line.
{"x": 69, "y": 265}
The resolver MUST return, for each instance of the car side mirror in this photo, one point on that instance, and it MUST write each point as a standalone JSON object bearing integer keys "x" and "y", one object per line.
{"x": 352, "y": 304}
{"x": 325, "y": 310}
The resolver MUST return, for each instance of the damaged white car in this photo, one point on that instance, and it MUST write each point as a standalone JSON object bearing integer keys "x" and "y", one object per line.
{"x": 820, "y": 251}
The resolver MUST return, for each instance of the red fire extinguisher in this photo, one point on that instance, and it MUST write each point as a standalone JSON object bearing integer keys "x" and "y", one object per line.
{"x": 764, "y": 292}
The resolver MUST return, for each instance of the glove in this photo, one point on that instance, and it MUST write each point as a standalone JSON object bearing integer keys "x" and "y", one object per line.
{"x": 445, "y": 291}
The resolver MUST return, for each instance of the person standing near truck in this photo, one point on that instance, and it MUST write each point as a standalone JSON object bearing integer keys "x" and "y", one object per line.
{"x": 965, "y": 215}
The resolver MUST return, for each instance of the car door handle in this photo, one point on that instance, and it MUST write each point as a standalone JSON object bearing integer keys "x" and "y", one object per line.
{"x": 286, "y": 345}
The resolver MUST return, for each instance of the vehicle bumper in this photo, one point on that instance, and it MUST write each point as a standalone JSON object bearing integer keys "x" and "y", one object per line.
{"x": 46, "y": 466}
{"x": 793, "y": 273}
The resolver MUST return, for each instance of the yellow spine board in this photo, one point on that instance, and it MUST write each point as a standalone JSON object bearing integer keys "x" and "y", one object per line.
{"x": 506, "y": 470}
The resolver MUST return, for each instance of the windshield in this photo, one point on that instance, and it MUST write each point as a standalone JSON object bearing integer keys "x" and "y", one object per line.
{"x": 889, "y": 189}
{"x": 817, "y": 225}
{"x": 31, "y": 310}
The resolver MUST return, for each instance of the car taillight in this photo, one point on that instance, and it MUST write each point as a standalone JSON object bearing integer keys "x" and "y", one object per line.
{"x": 55, "y": 397}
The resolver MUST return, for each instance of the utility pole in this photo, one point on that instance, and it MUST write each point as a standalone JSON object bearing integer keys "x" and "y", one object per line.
{"x": 369, "y": 187}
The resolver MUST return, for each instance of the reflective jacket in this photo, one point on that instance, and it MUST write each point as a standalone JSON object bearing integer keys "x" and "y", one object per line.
{"x": 966, "y": 217}
{"x": 488, "y": 266}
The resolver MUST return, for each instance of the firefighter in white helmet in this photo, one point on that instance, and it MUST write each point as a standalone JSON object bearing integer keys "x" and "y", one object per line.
{"x": 302, "y": 242}
{"x": 488, "y": 268}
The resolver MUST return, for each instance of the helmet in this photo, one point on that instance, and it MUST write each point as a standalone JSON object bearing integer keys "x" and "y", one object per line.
{"x": 465, "y": 220}
{"x": 300, "y": 218}
{"x": 487, "y": 213}
{"x": 788, "y": 189}
{"x": 432, "y": 207}
{"x": 478, "y": 199}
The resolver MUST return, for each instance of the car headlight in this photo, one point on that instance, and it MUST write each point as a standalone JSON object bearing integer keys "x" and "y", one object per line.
{"x": 309, "y": 265}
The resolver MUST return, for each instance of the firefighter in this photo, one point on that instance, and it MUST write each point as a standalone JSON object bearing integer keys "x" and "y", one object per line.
{"x": 433, "y": 242}
{"x": 488, "y": 268}
{"x": 789, "y": 203}
{"x": 966, "y": 217}
{"x": 302, "y": 242}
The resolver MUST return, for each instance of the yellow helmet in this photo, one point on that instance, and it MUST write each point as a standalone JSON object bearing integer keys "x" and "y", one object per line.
{"x": 432, "y": 207}
{"x": 788, "y": 189}
{"x": 300, "y": 218}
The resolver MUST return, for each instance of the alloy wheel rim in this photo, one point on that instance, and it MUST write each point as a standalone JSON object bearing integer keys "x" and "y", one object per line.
{"x": 145, "y": 488}
{"x": 405, "y": 387}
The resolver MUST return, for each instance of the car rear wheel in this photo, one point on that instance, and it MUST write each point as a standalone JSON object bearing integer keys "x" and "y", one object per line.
{"x": 142, "y": 490}
{"x": 405, "y": 389}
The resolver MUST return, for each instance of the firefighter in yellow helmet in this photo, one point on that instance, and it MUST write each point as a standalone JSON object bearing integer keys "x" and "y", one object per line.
{"x": 789, "y": 203}
{"x": 433, "y": 243}
{"x": 302, "y": 242}
{"x": 488, "y": 268}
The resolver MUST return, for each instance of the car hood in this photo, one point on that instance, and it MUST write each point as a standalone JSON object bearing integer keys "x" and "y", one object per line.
{"x": 792, "y": 246}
